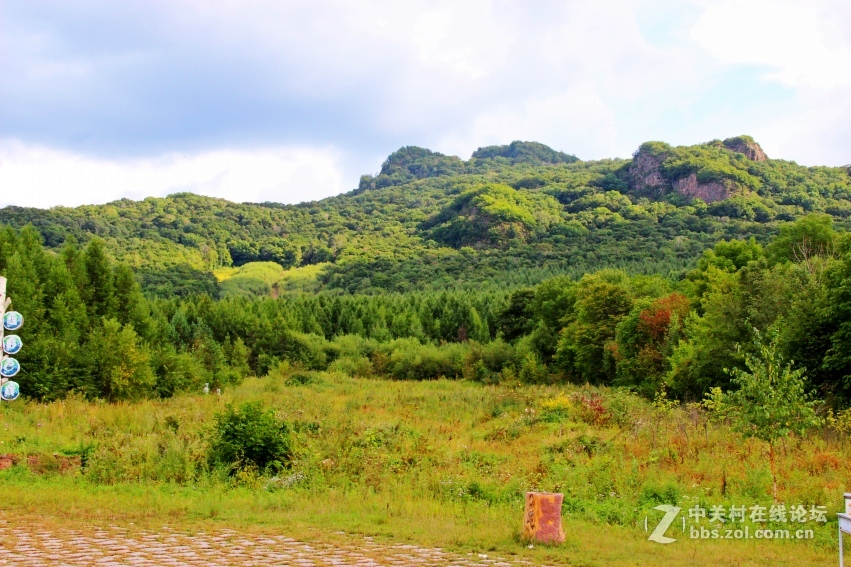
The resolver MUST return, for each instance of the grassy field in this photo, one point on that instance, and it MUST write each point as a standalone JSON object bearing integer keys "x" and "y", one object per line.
{"x": 268, "y": 278}
{"x": 441, "y": 463}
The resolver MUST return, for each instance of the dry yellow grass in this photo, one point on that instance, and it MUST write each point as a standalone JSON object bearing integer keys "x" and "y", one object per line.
{"x": 439, "y": 463}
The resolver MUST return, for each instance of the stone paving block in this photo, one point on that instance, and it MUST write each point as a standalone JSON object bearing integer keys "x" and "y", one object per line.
{"x": 120, "y": 547}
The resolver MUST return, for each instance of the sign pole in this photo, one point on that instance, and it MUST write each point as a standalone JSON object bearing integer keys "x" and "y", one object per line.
{"x": 4, "y": 304}
{"x": 844, "y": 525}
{"x": 9, "y": 345}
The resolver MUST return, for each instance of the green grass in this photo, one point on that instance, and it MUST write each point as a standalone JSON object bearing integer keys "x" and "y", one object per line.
{"x": 301, "y": 280}
{"x": 441, "y": 463}
{"x": 268, "y": 278}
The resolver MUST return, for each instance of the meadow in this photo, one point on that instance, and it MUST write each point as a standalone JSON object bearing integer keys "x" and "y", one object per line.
{"x": 267, "y": 278}
{"x": 437, "y": 462}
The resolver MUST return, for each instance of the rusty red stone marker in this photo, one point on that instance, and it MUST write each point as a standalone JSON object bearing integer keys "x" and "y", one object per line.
{"x": 542, "y": 517}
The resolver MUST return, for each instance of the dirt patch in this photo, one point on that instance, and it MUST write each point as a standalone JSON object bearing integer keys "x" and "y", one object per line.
{"x": 7, "y": 461}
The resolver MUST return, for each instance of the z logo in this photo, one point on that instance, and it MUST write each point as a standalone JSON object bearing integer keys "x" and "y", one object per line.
{"x": 658, "y": 534}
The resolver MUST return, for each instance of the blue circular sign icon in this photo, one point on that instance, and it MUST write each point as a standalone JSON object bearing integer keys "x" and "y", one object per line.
{"x": 13, "y": 321}
{"x": 12, "y": 344}
{"x": 9, "y": 367}
{"x": 10, "y": 391}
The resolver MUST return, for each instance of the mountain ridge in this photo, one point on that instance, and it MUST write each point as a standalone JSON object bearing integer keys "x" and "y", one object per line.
{"x": 510, "y": 214}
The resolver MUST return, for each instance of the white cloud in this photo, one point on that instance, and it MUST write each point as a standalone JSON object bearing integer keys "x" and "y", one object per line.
{"x": 556, "y": 74}
{"x": 574, "y": 118}
{"x": 797, "y": 41}
{"x": 805, "y": 46}
{"x": 322, "y": 88}
{"x": 42, "y": 177}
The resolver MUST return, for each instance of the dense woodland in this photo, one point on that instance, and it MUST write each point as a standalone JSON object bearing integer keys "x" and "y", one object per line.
{"x": 510, "y": 215}
{"x": 521, "y": 263}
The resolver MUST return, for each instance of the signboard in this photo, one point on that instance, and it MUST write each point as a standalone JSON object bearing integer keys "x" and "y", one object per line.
{"x": 9, "y": 345}
{"x": 9, "y": 367}
{"x": 10, "y": 391}
{"x": 12, "y": 344}
{"x": 12, "y": 321}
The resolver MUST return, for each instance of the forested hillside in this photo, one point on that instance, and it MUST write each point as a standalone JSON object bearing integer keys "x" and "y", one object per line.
{"x": 613, "y": 273}
{"x": 510, "y": 215}
{"x": 90, "y": 329}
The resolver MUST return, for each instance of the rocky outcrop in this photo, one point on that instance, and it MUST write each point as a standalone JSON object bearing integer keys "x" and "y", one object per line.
{"x": 645, "y": 177}
{"x": 747, "y": 146}
{"x": 708, "y": 192}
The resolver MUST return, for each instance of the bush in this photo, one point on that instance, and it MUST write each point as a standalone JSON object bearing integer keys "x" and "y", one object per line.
{"x": 407, "y": 359}
{"x": 177, "y": 371}
{"x": 250, "y": 437}
{"x": 352, "y": 346}
{"x": 532, "y": 371}
{"x": 306, "y": 350}
{"x": 655, "y": 493}
{"x": 360, "y": 366}
{"x": 301, "y": 378}
{"x": 484, "y": 360}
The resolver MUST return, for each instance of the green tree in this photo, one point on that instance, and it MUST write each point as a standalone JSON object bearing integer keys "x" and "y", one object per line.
{"x": 585, "y": 344}
{"x": 518, "y": 318}
{"x": 806, "y": 238}
{"x": 120, "y": 364}
{"x": 836, "y": 312}
{"x": 100, "y": 291}
{"x": 129, "y": 303}
{"x": 771, "y": 401}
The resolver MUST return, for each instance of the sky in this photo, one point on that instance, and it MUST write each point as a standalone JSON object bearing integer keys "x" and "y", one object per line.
{"x": 263, "y": 100}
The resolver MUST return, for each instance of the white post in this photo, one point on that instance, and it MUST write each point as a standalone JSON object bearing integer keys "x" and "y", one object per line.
{"x": 4, "y": 303}
{"x": 844, "y": 526}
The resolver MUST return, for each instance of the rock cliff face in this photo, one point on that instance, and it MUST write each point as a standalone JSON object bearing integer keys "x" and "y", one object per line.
{"x": 644, "y": 176}
{"x": 746, "y": 145}
{"x": 708, "y": 192}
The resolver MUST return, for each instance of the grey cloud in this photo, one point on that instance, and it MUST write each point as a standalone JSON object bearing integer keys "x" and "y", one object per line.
{"x": 124, "y": 79}
{"x": 113, "y": 78}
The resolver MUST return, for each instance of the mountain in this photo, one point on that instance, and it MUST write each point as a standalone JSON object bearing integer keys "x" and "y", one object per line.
{"x": 510, "y": 215}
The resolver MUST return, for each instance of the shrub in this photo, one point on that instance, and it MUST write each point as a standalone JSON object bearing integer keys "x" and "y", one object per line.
{"x": 590, "y": 409}
{"x": 655, "y": 493}
{"x": 177, "y": 371}
{"x": 485, "y": 362}
{"x": 250, "y": 436}
{"x": 351, "y": 346}
{"x": 532, "y": 371}
{"x": 498, "y": 354}
{"x": 407, "y": 359}
{"x": 306, "y": 349}
{"x": 301, "y": 378}
{"x": 360, "y": 366}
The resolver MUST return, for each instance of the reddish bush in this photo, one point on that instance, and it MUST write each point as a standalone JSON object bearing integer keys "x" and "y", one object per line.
{"x": 656, "y": 319}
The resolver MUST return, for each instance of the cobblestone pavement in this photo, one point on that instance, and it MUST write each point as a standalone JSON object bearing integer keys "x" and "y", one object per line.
{"x": 168, "y": 548}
